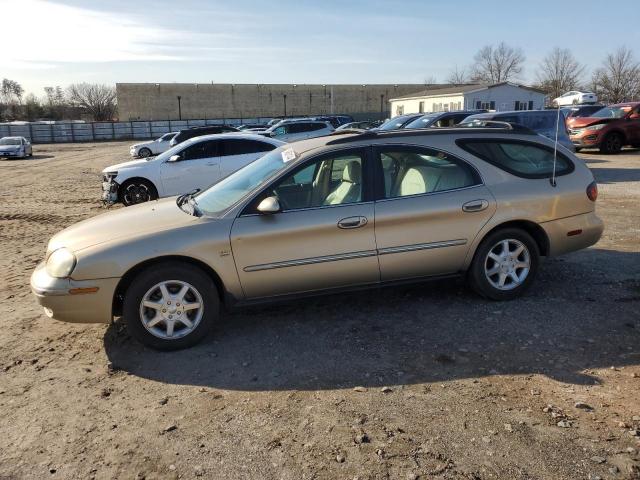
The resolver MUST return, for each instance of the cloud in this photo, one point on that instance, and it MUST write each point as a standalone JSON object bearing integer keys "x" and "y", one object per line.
{"x": 45, "y": 33}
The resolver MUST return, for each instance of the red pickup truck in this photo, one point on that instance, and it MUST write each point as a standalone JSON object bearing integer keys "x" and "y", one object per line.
{"x": 608, "y": 129}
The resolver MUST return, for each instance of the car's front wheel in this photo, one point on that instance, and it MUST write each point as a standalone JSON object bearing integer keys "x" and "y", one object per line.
{"x": 505, "y": 264}
{"x": 137, "y": 191}
{"x": 144, "y": 152}
{"x": 612, "y": 143}
{"x": 171, "y": 306}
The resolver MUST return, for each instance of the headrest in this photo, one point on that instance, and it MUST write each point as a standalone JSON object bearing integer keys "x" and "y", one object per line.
{"x": 352, "y": 172}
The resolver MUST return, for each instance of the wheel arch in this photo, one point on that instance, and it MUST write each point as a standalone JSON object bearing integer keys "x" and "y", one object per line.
{"x": 129, "y": 276}
{"x": 536, "y": 231}
{"x": 134, "y": 179}
{"x": 619, "y": 132}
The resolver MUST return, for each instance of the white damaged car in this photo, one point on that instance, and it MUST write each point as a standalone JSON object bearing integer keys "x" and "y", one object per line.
{"x": 194, "y": 163}
{"x": 152, "y": 147}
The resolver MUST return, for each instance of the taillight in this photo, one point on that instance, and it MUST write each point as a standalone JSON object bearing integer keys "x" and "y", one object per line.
{"x": 592, "y": 191}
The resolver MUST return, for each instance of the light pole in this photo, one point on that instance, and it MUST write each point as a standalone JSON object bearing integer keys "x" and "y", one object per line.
{"x": 179, "y": 108}
{"x": 381, "y": 106}
{"x": 284, "y": 98}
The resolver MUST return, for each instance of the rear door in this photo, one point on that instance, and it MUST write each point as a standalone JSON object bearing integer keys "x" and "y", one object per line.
{"x": 430, "y": 206}
{"x": 235, "y": 153}
{"x": 198, "y": 167}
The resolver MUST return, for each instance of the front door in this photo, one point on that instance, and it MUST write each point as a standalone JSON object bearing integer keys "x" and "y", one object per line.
{"x": 198, "y": 167}
{"x": 432, "y": 207}
{"x": 324, "y": 236}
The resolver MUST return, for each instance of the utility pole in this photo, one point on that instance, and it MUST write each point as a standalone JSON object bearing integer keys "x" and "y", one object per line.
{"x": 382, "y": 106}
{"x": 284, "y": 98}
{"x": 179, "y": 108}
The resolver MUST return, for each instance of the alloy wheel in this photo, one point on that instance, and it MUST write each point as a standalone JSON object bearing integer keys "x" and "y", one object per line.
{"x": 171, "y": 309}
{"x": 136, "y": 193}
{"x": 507, "y": 264}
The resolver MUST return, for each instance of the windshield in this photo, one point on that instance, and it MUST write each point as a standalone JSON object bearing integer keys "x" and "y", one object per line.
{"x": 236, "y": 186}
{"x": 422, "y": 122}
{"x": 10, "y": 141}
{"x": 612, "y": 112}
{"x": 393, "y": 124}
{"x": 166, "y": 137}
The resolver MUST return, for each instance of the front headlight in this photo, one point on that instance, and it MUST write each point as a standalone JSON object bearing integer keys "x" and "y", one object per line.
{"x": 596, "y": 127}
{"x": 60, "y": 263}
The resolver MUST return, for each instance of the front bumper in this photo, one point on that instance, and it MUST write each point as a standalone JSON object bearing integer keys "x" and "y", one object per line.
{"x": 586, "y": 139}
{"x": 15, "y": 153}
{"x": 563, "y": 237}
{"x": 63, "y": 298}
{"x": 133, "y": 152}
{"x": 110, "y": 191}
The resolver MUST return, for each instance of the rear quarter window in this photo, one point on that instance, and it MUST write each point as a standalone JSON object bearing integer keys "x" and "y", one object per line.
{"x": 523, "y": 159}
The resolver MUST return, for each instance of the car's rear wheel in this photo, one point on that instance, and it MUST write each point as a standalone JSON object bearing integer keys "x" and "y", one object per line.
{"x": 171, "y": 306}
{"x": 137, "y": 191}
{"x": 612, "y": 143}
{"x": 144, "y": 152}
{"x": 505, "y": 264}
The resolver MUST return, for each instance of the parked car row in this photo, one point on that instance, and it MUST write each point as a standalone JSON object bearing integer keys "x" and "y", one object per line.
{"x": 338, "y": 212}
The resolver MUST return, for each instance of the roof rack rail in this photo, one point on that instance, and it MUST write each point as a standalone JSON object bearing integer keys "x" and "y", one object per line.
{"x": 500, "y": 127}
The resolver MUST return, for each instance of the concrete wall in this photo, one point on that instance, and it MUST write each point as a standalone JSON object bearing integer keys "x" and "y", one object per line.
{"x": 158, "y": 101}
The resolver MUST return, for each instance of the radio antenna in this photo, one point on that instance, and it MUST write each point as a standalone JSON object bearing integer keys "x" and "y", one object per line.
{"x": 552, "y": 180}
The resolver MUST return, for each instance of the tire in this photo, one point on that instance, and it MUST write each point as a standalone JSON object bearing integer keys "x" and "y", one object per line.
{"x": 144, "y": 152}
{"x": 487, "y": 284}
{"x": 151, "y": 325}
{"x": 612, "y": 143}
{"x": 137, "y": 190}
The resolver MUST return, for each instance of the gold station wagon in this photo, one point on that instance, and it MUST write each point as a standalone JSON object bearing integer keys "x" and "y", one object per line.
{"x": 327, "y": 214}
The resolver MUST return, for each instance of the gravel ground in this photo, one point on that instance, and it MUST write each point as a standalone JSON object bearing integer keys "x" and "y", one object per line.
{"x": 427, "y": 381}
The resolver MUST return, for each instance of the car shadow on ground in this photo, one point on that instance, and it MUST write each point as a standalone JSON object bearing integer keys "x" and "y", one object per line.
{"x": 581, "y": 314}
{"x": 615, "y": 175}
{"x": 34, "y": 157}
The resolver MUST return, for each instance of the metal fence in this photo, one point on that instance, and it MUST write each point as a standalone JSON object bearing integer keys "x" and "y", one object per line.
{"x": 61, "y": 132}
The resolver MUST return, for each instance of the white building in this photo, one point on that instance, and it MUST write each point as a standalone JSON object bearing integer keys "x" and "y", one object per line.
{"x": 503, "y": 96}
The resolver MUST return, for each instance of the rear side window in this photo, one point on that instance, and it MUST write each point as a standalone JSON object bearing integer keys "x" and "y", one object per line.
{"x": 242, "y": 147}
{"x": 522, "y": 159}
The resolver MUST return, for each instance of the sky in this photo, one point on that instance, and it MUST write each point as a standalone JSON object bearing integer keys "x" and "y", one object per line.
{"x": 48, "y": 43}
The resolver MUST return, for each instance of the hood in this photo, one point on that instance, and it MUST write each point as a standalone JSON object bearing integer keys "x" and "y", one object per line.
{"x": 125, "y": 165}
{"x": 582, "y": 122}
{"x": 10, "y": 148}
{"x": 126, "y": 222}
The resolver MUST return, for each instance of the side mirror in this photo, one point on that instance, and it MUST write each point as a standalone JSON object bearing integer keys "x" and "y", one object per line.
{"x": 174, "y": 158}
{"x": 269, "y": 205}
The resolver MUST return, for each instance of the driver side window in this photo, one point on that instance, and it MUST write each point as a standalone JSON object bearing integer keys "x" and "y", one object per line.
{"x": 335, "y": 180}
{"x": 200, "y": 150}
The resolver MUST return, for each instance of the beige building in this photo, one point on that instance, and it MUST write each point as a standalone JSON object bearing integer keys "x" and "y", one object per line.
{"x": 503, "y": 96}
{"x": 164, "y": 101}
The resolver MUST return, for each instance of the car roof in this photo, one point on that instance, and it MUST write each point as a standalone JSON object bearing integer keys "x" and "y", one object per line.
{"x": 344, "y": 137}
{"x": 235, "y": 136}
{"x": 625, "y": 104}
{"x": 12, "y": 138}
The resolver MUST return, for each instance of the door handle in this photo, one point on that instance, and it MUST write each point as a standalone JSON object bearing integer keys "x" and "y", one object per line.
{"x": 352, "y": 222}
{"x": 212, "y": 163}
{"x": 475, "y": 206}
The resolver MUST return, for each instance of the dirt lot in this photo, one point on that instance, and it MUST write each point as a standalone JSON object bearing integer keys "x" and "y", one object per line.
{"x": 477, "y": 389}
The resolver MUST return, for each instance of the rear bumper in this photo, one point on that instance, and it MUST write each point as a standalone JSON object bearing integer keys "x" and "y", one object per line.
{"x": 61, "y": 301}
{"x": 563, "y": 233}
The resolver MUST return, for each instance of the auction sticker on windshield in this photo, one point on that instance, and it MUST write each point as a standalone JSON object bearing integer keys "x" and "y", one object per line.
{"x": 288, "y": 155}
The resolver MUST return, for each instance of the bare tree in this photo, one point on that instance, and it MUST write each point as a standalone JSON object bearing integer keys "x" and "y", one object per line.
{"x": 98, "y": 100}
{"x": 497, "y": 64}
{"x": 559, "y": 72}
{"x": 430, "y": 80}
{"x": 618, "y": 80}
{"x": 10, "y": 97}
{"x": 459, "y": 76}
